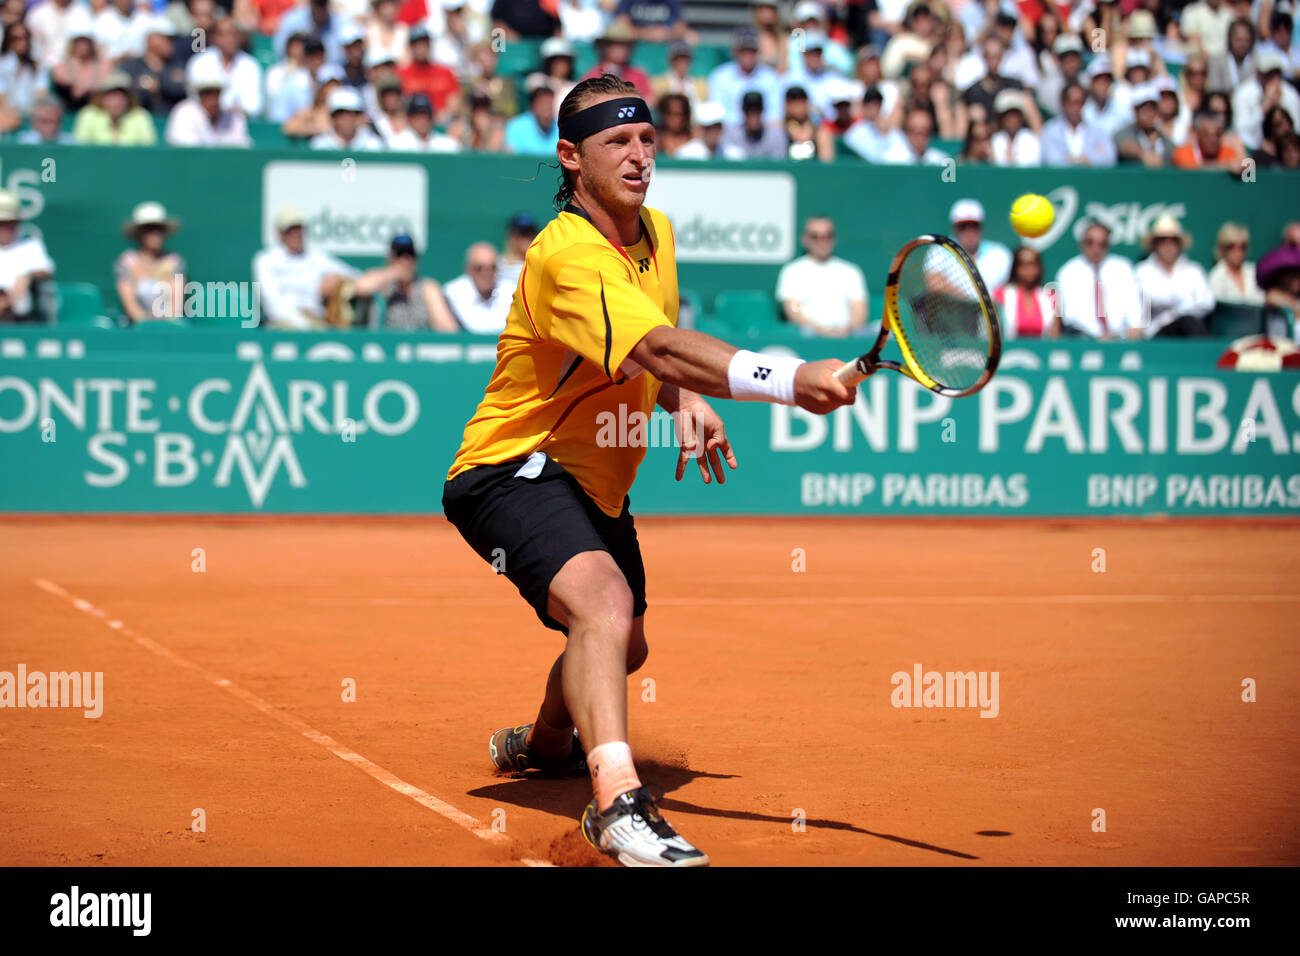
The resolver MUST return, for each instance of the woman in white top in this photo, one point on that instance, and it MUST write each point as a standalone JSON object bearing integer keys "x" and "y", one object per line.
{"x": 1014, "y": 143}
{"x": 1233, "y": 278}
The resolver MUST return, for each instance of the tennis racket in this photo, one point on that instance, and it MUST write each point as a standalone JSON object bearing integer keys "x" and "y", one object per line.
{"x": 942, "y": 318}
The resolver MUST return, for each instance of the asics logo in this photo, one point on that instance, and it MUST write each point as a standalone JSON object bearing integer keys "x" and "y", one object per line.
{"x": 761, "y": 373}
{"x": 625, "y": 111}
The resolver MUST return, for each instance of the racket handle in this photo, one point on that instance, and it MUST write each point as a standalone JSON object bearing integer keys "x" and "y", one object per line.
{"x": 852, "y": 373}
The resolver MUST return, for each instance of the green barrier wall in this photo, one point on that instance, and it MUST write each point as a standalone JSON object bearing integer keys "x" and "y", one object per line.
{"x": 735, "y": 224}
{"x": 229, "y": 422}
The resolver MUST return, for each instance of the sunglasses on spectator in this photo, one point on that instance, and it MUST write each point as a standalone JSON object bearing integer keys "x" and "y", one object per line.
{"x": 829, "y": 234}
{"x": 1096, "y": 242}
{"x": 1234, "y": 245}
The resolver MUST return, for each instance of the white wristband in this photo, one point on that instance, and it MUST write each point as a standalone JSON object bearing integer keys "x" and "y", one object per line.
{"x": 755, "y": 377}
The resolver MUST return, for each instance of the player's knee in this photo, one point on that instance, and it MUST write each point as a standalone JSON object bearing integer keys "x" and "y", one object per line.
{"x": 638, "y": 650}
{"x": 607, "y": 605}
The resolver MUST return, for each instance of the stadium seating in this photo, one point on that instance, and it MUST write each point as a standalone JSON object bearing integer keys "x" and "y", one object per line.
{"x": 80, "y": 304}
{"x": 746, "y": 313}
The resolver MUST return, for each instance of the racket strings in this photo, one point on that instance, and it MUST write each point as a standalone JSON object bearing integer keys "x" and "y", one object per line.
{"x": 941, "y": 317}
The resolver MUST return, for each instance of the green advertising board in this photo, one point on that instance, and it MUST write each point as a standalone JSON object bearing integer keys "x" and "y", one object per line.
{"x": 231, "y": 422}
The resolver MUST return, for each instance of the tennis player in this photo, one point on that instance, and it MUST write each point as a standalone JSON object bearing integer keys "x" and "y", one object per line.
{"x": 592, "y": 330}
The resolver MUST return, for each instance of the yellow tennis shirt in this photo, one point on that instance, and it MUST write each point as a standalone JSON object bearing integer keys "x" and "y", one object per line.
{"x": 582, "y": 304}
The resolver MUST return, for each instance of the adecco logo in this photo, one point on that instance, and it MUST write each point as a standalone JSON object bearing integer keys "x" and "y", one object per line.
{"x": 354, "y": 217}
{"x": 716, "y": 218}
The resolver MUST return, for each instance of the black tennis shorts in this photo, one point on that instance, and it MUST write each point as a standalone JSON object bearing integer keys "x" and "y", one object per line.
{"x": 536, "y": 524}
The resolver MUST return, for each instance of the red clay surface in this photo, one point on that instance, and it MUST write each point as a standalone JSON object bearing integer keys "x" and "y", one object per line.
{"x": 1118, "y": 690}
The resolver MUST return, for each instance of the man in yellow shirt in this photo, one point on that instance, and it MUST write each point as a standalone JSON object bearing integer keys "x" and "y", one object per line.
{"x": 539, "y": 490}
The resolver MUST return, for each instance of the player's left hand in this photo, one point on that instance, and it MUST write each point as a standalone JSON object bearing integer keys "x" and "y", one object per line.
{"x": 701, "y": 436}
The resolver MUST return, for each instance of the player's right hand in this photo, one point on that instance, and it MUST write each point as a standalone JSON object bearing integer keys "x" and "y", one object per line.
{"x": 817, "y": 390}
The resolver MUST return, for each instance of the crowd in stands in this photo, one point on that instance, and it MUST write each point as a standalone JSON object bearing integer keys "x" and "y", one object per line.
{"x": 1208, "y": 83}
{"x": 1096, "y": 294}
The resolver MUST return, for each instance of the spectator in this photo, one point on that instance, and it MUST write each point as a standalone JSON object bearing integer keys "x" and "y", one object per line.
{"x": 521, "y": 230}
{"x": 501, "y": 91}
{"x": 869, "y": 75}
{"x": 156, "y": 80}
{"x": 76, "y": 78}
{"x": 22, "y": 79}
{"x": 384, "y": 34}
{"x": 1206, "y": 148}
{"x": 304, "y": 290}
{"x": 809, "y": 16}
{"x": 911, "y": 44}
{"x": 1141, "y": 33}
{"x": 1105, "y": 108}
{"x": 977, "y": 147}
{"x": 289, "y": 85}
{"x": 802, "y": 135}
{"x": 435, "y": 81}
{"x": 46, "y": 124}
{"x": 1070, "y": 140}
{"x": 1258, "y": 95}
{"x": 923, "y": 91}
{"x": 479, "y": 302}
{"x": 993, "y": 259}
{"x": 1098, "y": 293}
{"x": 1141, "y": 141}
{"x": 614, "y": 55}
{"x": 114, "y": 118}
{"x": 1172, "y": 117}
{"x": 1175, "y": 289}
{"x": 582, "y": 21}
{"x": 200, "y": 120}
{"x": 389, "y": 114}
{"x": 656, "y": 21}
{"x": 674, "y": 128}
{"x": 1281, "y": 28}
{"x": 348, "y": 129}
{"x": 454, "y": 44}
{"x": 483, "y": 130}
{"x": 1277, "y": 125}
{"x": 982, "y": 94}
{"x": 1204, "y": 25}
{"x": 1232, "y": 279}
{"x": 1235, "y": 65}
{"x": 557, "y": 66}
{"x": 150, "y": 281}
{"x": 315, "y": 119}
{"x": 1062, "y": 70}
{"x": 23, "y": 261}
{"x": 1137, "y": 69}
{"x": 753, "y": 138}
{"x": 315, "y": 20}
{"x": 52, "y": 23}
{"x": 243, "y": 88}
{"x": 1014, "y": 144}
{"x": 841, "y": 94}
{"x": 820, "y": 293}
{"x": 867, "y": 136}
{"x": 730, "y": 81}
{"x": 912, "y": 146}
{"x": 1027, "y": 309}
{"x": 535, "y": 131}
{"x": 269, "y": 13}
{"x": 772, "y": 39}
{"x": 812, "y": 75}
{"x": 1018, "y": 62}
{"x": 708, "y": 133}
{"x": 524, "y": 18}
{"x": 678, "y": 79}
{"x": 352, "y": 41}
{"x": 194, "y": 19}
{"x": 117, "y": 28}
{"x": 420, "y": 136}
{"x": 411, "y": 302}
{"x": 1288, "y": 146}
{"x": 1278, "y": 272}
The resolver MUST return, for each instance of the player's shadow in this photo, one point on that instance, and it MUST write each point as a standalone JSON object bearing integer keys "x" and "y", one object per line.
{"x": 565, "y": 797}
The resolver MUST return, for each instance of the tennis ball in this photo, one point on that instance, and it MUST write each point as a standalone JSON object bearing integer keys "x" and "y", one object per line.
{"x": 1032, "y": 215}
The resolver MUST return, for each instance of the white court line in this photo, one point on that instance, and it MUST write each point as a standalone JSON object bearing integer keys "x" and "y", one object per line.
{"x": 388, "y": 779}
{"x": 846, "y": 600}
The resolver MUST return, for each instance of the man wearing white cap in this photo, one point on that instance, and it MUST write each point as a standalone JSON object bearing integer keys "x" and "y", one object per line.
{"x": 811, "y": 72}
{"x": 1014, "y": 143}
{"x": 809, "y": 16}
{"x": 22, "y": 261}
{"x": 708, "y": 133}
{"x": 243, "y": 74}
{"x": 993, "y": 259}
{"x": 1106, "y": 106}
{"x": 200, "y": 120}
{"x": 1266, "y": 89}
{"x": 1064, "y": 67}
{"x": 348, "y": 129}
{"x": 1141, "y": 140}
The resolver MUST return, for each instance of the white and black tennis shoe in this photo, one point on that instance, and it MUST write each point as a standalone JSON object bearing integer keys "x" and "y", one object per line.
{"x": 633, "y": 832}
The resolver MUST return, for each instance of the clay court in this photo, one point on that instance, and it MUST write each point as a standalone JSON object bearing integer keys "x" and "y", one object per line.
{"x": 772, "y": 692}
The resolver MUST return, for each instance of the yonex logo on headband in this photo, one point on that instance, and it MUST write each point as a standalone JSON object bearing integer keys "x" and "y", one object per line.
{"x": 594, "y": 119}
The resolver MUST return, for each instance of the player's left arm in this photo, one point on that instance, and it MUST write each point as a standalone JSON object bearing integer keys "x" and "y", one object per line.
{"x": 700, "y": 433}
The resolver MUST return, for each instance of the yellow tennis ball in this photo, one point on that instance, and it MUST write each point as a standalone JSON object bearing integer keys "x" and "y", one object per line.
{"x": 1032, "y": 215}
